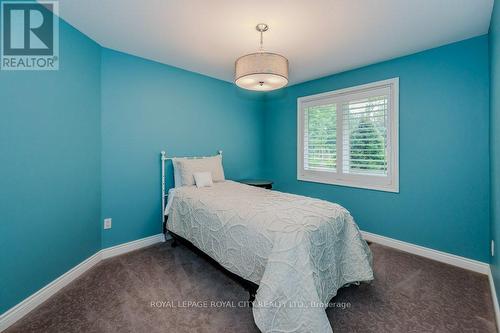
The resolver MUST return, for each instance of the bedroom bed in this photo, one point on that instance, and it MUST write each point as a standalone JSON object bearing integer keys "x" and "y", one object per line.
{"x": 295, "y": 250}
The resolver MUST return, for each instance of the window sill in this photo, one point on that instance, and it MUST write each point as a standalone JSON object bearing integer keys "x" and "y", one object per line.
{"x": 393, "y": 188}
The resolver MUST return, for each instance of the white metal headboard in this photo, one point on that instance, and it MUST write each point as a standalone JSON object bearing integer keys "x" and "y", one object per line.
{"x": 164, "y": 193}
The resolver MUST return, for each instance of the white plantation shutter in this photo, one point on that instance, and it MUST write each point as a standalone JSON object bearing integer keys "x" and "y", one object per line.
{"x": 350, "y": 137}
{"x": 365, "y": 135}
{"x": 320, "y": 137}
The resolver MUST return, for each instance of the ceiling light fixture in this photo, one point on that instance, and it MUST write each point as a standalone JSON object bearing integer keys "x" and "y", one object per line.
{"x": 262, "y": 71}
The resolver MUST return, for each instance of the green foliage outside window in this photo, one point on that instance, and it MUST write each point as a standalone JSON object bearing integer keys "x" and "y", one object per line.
{"x": 367, "y": 147}
{"x": 322, "y": 136}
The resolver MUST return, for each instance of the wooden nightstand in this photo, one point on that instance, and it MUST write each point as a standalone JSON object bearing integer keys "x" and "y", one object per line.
{"x": 267, "y": 184}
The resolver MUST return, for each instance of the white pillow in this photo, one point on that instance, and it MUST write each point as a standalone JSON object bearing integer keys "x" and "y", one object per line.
{"x": 189, "y": 166}
{"x": 177, "y": 172}
{"x": 203, "y": 179}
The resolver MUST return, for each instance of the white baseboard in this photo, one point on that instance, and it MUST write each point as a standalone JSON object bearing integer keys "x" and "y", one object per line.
{"x": 131, "y": 246}
{"x": 494, "y": 298}
{"x": 451, "y": 259}
{"x": 23, "y": 308}
{"x": 20, "y": 310}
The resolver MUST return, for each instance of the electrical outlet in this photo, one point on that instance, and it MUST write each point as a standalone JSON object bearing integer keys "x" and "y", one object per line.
{"x": 492, "y": 248}
{"x": 107, "y": 223}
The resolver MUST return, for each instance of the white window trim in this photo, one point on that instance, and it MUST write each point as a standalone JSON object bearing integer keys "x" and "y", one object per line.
{"x": 389, "y": 183}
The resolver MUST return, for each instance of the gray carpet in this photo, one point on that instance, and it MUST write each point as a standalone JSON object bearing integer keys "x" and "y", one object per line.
{"x": 409, "y": 294}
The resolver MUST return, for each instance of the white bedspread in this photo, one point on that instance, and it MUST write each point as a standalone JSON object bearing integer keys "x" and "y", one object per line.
{"x": 299, "y": 250}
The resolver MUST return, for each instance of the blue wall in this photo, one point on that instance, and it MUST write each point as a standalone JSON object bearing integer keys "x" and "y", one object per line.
{"x": 82, "y": 143}
{"x": 148, "y": 107}
{"x": 50, "y": 168}
{"x": 495, "y": 138}
{"x": 444, "y": 159}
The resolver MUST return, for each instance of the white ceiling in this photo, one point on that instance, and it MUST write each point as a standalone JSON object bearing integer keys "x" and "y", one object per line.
{"x": 319, "y": 37}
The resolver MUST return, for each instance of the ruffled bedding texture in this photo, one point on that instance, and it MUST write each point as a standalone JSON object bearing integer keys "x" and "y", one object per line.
{"x": 299, "y": 250}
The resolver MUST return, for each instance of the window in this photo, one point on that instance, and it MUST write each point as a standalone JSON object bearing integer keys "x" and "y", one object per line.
{"x": 350, "y": 137}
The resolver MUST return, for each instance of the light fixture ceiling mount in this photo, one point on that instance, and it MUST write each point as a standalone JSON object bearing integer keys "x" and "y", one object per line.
{"x": 261, "y": 27}
{"x": 261, "y": 71}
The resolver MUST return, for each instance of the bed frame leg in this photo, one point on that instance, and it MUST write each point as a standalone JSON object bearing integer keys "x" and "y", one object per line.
{"x": 252, "y": 296}
{"x": 174, "y": 243}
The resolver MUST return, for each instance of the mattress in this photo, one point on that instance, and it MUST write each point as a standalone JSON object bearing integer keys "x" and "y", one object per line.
{"x": 299, "y": 250}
